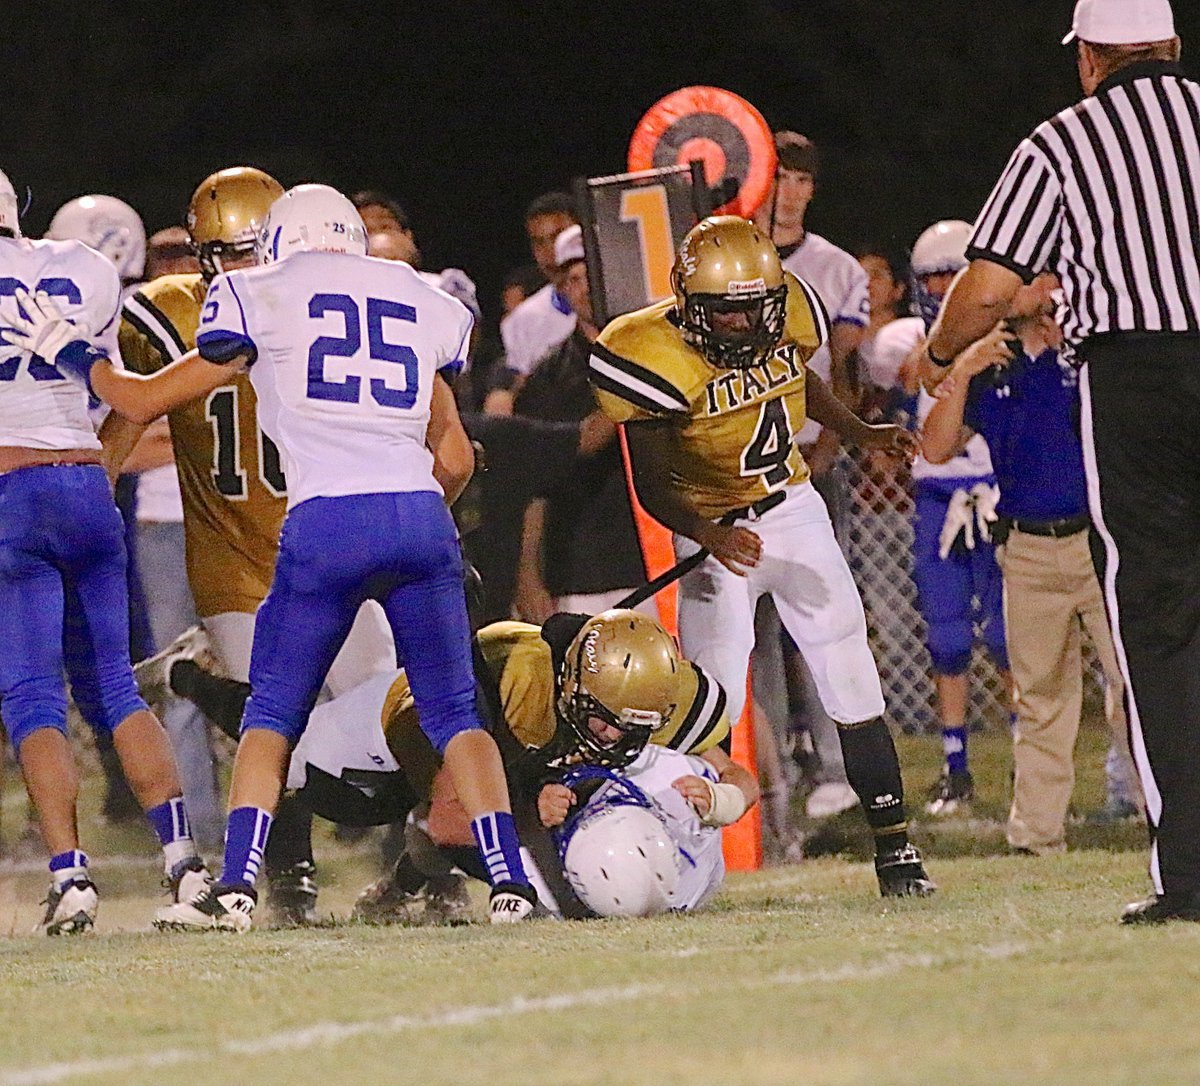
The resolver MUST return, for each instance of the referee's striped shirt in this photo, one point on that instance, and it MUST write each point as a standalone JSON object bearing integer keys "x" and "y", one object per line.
{"x": 1107, "y": 195}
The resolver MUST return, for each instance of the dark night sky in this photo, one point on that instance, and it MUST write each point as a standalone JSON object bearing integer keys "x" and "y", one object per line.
{"x": 465, "y": 111}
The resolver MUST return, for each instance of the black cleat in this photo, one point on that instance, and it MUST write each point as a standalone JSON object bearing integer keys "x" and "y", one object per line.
{"x": 293, "y": 896}
{"x": 1160, "y": 908}
{"x": 902, "y": 874}
{"x": 950, "y": 794}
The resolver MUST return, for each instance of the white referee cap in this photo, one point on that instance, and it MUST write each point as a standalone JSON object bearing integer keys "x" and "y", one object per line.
{"x": 1122, "y": 22}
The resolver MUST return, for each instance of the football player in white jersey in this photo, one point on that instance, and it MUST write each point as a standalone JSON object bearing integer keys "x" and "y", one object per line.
{"x": 345, "y": 354}
{"x": 63, "y": 596}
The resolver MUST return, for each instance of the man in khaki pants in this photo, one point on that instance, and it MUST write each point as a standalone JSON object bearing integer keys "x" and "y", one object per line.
{"x": 1015, "y": 388}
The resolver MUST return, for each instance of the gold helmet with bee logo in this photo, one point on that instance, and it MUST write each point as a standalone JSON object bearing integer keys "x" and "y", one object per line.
{"x": 225, "y": 214}
{"x": 730, "y": 292}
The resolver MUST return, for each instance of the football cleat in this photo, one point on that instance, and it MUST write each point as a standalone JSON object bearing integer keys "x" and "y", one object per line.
{"x": 293, "y": 896}
{"x": 1161, "y": 908}
{"x": 154, "y": 674}
{"x": 951, "y": 793}
{"x": 447, "y": 903}
{"x": 188, "y": 880}
{"x": 221, "y": 907}
{"x": 902, "y": 874}
{"x": 384, "y": 903}
{"x": 511, "y": 902}
{"x": 70, "y": 908}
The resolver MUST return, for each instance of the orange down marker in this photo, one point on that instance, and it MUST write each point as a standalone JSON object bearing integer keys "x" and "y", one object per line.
{"x": 741, "y": 842}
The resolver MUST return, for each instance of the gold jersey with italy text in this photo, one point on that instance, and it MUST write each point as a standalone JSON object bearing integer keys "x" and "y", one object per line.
{"x": 234, "y": 493}
{"x": 516, "y": 667}
{"x": 736, "y": 428}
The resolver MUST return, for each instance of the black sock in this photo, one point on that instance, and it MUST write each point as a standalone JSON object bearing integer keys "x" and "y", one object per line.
{"x": 290, "y": 843}
{"x": 467, "y": 859}
{"x": 873, "y": 771}
{"x": 406, "y": 876}
{"x": 221, "y": 700}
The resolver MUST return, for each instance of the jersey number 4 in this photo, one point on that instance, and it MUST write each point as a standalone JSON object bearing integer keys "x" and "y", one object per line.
{"x": 222, "y": 409}
{"x": 349, "y": 389}
{"x": 771, "y": 446}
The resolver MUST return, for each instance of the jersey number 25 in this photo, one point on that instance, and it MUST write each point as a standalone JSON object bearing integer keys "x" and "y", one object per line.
{"x": 349, "y": 390}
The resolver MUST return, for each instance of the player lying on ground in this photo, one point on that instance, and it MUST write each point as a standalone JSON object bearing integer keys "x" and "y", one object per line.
{"x": 575, "y": 691}
{"x": 366, "y": 514}
{"x": 63, "y": 591}
{"x": 713, "y": 386}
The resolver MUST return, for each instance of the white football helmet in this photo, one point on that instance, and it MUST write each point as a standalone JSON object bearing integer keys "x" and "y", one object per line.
{"x": 311, "y": 218}
{"x": 9, "y": 208}
{"x": 621, "y": 861}
{"x": 942, "y": 248}
{"x": 108, "y": 225}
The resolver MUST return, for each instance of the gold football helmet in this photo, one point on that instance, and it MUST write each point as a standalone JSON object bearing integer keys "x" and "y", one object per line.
{"x": 618, "y": 685}
{"x": 225, "y": 213}
{"x": 730, "y": 292}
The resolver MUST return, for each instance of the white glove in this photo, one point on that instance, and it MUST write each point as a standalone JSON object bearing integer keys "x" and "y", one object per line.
{"x": 43, "y": 331}
{"x": 985, "y": 497}
{"x": 960, "y": 517}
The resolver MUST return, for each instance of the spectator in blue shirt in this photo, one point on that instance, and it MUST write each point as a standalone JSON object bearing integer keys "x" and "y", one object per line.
{"x": 1024, "y": 400}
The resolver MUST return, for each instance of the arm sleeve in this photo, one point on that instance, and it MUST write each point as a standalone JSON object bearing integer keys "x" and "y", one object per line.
{"x": 1020, "y": 224}
{"x": 460, "y": 343}
{"x": 149, "y": 339}
{"x": 628, "y": 391}
{"x": 223, "y": 332}
{"x": 855, "y": 307}
{"x": 103, "y": 307}
{"x": 705, "y": 724}
{"x": 807, "y": 319}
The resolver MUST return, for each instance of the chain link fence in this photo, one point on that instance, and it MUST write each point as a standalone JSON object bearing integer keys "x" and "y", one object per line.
{"x": 876, "y": 531}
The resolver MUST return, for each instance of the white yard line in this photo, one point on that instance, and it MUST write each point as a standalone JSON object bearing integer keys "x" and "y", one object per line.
{"x": 324, "y": 1034}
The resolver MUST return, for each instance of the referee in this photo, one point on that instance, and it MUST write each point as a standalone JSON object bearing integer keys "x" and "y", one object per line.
{"x": 1107, "y": 195}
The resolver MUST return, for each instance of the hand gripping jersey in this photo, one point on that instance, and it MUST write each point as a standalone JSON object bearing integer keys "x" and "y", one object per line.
{"x": 230, "y": 473}
{"x": 345, "y": 349}
{"x": 39, "y": 407}
{"x": 736, "y": 427}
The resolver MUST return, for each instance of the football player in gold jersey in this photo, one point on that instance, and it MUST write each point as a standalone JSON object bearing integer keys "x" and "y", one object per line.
{"x": 577, "y": 690}
{"x": 713, "y": 386}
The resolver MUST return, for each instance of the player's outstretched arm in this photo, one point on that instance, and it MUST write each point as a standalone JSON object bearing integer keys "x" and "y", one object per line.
{"x": 42, "y": 330}
{"x": 143, "y": 399}
{"x": 453, "y": 455}
{"x": 824, "y": 407}
{"x": 651, "y": 451}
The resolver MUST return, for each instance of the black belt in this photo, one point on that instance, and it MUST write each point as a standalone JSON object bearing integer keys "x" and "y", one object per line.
{"x": 1054, "y": 529}
{"x": 754, "y": 509}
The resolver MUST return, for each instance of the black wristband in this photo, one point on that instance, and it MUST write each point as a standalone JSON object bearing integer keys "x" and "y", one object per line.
{"x": 940, "y": 363}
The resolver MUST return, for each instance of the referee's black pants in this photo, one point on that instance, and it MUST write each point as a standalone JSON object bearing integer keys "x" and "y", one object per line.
{"x": 1141, "y": 433}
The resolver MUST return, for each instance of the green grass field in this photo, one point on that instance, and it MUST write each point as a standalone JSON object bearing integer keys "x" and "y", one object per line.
{"x": 1016, "y": 972}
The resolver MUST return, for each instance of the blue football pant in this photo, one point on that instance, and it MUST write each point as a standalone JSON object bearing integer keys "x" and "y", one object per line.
{"x": 336, "y": 553}
{"x": 957, "y": 592}
{"x": 63, "y": 601}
